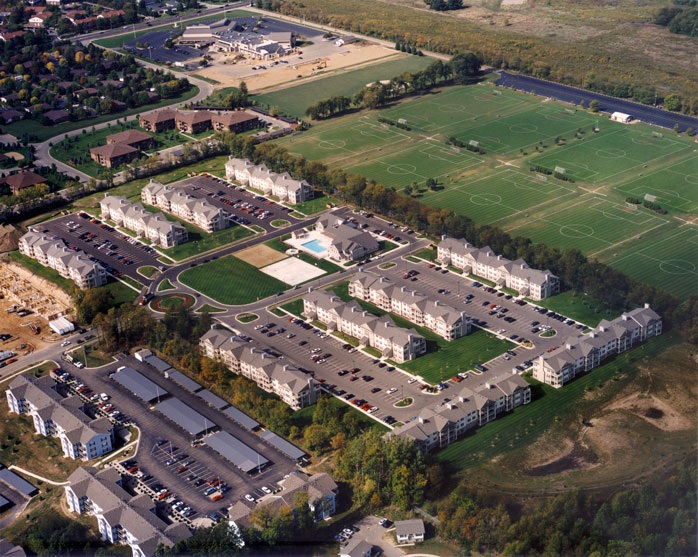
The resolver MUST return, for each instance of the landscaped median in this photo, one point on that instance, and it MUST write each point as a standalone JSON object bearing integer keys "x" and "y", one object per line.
{"x": 172, "y": 301}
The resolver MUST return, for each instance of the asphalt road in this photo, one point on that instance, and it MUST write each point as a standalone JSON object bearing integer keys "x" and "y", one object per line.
{"x": 565, "y": 93}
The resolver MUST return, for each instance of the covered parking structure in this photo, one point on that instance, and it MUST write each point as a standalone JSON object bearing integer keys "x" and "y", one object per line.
{"x": 138, "y": 384}
{"x": 183, "y": 381}
{"x": 231, "y": 448}
{"x": 240, "y": 417}
{"x": 18, "y": 483}
{"x": 279, "y": 443}
{"x": 185, "y": 417}
{"x": 213, "y": 399}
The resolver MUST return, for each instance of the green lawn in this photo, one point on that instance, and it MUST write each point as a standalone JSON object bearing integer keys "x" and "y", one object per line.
{"x": 200, "y": 242}
{"x": 121, "y": 293}
{"x": 90, "y": 356}
{"x": 247, "y": 317}
{"x": 165, "y": 285}
{"x": 173, "y": 301}
{"x": 576, "y": 306}
{"x": 346, "y": 338}
{"x": 231, "y": 281}
{"x": 443, "y": 359}
{"x": 43, "y": 133}
{"x": 315, "y": 205}
{"x": 147, "y": 271}
{"x": 295, "y": 307}
{"x": 304, "y": 417}
{"x": 294, "y": 100}
{"x": 525, "y": 424}
{"x": 279, "y": 223}
{"x": 44, "y": 272}
{"x": 428, "y": 254}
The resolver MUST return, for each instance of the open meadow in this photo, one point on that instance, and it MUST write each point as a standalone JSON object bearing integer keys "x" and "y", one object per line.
{"x": 603, "y": 163}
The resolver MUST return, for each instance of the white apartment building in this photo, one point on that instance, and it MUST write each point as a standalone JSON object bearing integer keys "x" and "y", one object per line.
{"x": 484, "y": 263}
{"x": 291, "y": 385}
{"x": 446, "y": 321}
{"x": 122, "y": 518}
{"x": 582, "y": 353}
{"x": 81, "y": 437}
{"x": 282, "y": 185}
{"x": 472, "y": 406}
{"x": 347, "y": 242}
{"x": 196, "y": 211}
{"x": 54, "y": 254}
{"x": 133, "y": 216}
{"x": 380, "y": 333}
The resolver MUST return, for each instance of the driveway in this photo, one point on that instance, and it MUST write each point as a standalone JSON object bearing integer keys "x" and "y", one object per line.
{"x": 373, "y": 533}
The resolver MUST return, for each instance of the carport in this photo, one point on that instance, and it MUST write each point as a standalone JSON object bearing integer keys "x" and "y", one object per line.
{"x": 279, "y": 443}
{"x": 234, "y": 450}
{"x": 185, "y": 417}
{"x": 138, "y": 384}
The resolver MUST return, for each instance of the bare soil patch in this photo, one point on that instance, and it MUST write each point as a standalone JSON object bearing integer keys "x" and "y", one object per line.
{"x": 653, "y": 410}
{"x": 260, "y": 255}
{"x": 579, "y": 458}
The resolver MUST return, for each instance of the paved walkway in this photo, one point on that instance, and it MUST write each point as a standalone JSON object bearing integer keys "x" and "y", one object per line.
{"x": 36, "y": 476}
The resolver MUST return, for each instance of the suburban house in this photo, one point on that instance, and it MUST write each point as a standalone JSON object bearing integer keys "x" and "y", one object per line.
{"x": 577, "y": 355}
{"x": 133, "y": 216}
{"x": 409, "y": 531}
{"x": 347, "y": 242}
{"x": 446, "y": 321}
{"x": 113, "y": 155}
{"x": 469, "y": 406}
{"x": 238, "y": 121}
{"x": 122, "y": 517}
{"x": 21, "y": 180}
{"x": 56, "y": 116}
{"x": 54, "y": 254}
{"x": 321, "y": 489}
{"x": 134, "y": 138}
{"x": 283, "y": 186}
{"x": 271, "y": 374}
{"x": 197, "y": 211}
{"x": 380, "y": 333}
{"x": 158, "y": 121}
{"x": 357, "y": 547}
{"x": 484, "y": 263}
{"x": 193, "y": 122}
{"x": 81, "y": 437}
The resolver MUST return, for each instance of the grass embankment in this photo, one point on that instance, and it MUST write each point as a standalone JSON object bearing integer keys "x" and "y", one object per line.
{"x": 208, "y": 308}
{"x": 304, "y": 417}
{"x": 315, "y": 205}
{"x": 443, "y": 359}
{"x": 44, "y": 272}
{"x": 576, "y": 306}
{"x": 147, "y": 271}
{"x": 91, "y": 356}
{"x": 231, "y": 281}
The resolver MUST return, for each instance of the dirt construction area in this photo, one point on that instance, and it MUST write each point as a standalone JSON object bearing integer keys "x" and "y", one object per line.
{"x": 260, "y": 256}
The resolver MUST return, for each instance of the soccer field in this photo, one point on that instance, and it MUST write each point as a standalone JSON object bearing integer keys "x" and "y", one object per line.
{"x": 675, "y": 187}
{"x": 610, "y": 152}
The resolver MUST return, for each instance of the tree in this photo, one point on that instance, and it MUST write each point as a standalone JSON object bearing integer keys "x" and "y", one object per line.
{"x": 594, "y": 106}
{"x": 315, "y": 437}
{"x": 672, "y": 102}
{"x": 338, "y": 441}
{"x": 465, "y": 66}
{"x": 305, "y": 520}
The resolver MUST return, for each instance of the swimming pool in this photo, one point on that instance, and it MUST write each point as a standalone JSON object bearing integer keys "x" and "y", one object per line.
{"x": 315, "y": 246}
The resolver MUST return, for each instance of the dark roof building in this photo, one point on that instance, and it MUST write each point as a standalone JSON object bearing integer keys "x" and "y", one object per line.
{"x": 17, "y": 182}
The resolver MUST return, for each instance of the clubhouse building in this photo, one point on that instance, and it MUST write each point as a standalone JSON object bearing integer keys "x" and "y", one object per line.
{"x": 271, "y": 374}
{"x": 53, "y": 253}
{"x": 483, "y": 262}
{"x": 133, "y": 216}
{"x": 283, "y": 186}
{"x": 577, "y": 355}
{"x": 196, "y": 211}
{"x": 346, "y": 241}
{"x": 380, "y": 333}
{"x": 446, "y": 321}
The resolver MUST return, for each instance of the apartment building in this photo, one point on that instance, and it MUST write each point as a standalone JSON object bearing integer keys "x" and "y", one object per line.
{"x": 133, "y": 216}
{"x": 321, "y": 489}
{"x": 577, "y": 355}
{"x": 134, "y": 138}
{"x": 122, "y": 517}
{"x": 53, "y": 253}
{"x": 380, "y": 333}
{"x": 193, "y": 122}
{"x": 347, "y": 241}
{"x": 196, "y": 211}
{"x": 484, "y": 263}
{"x": 282, "y": 185}
{"x": 113, "y": 155}
{"x": 446, "y": 321}
{"x": 291, "y": 385}
{"x": 237, "y": 122}
{"x": 472, "y": 405}
{"x": 158, "y": 121}
{"x": 81, "y": 437}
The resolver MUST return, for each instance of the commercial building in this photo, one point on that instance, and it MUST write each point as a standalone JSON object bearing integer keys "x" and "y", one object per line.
{"x": 484, "y": 263}
{"x": 470, "y": 406}
{"x": 444, "y": 320}
{"x": 193, "y": 122}
{"x": 321, "y": 489}
{"x": 291, "y": 385}
{"x": 237, "y": 122}
{"x": 134, "y": 138}
{"x": 81, "y": 437}
{"x": 158, "y": 121}
{"x": 283, "y": 186}
{"x": 347, "y": 241}
{"x": 54, "y": 254}
{"x": 380, "y": 333}
{"x": 409, "y": 531}
{"x": 577, "y": 355}
{"x": 122, "y": 518}
{"x": 61, "y": 326}
{"x": 133, "y": 216}
{"x": 113, "y": 155}
{"x": 196, "y": 211}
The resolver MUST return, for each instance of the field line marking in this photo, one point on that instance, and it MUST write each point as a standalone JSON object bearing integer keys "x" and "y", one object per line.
{"x": 628, "y": 239}
{"x": 581, "y": 201}
{"x": 680, "y": 233}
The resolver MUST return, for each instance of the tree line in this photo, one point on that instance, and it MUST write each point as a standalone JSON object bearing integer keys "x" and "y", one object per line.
{"x": 580, "y": 65}
{"x": 682, "y": 21}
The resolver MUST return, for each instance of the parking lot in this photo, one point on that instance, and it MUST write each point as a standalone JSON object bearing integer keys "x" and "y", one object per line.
{"x": 244, "y": 207}
{"x": 158, "y": 436}
{"x": 117, "y": 252}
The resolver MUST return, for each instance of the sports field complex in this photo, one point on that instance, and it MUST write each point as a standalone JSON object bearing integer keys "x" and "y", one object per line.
{"x": 603, "y": 163}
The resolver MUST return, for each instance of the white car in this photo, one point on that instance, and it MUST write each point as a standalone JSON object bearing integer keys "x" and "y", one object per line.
{"x": 104, "y": 396}
{"x": 265, "y": 489}
{"x": 250, "y": 498}
{"x": 391, "y": 390}
{"x": 413, "y": 380}
{"x": 65, "y": 343}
